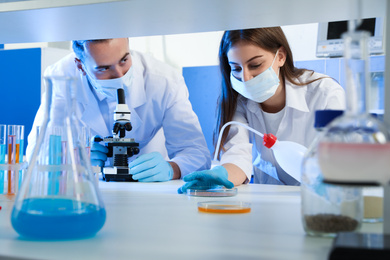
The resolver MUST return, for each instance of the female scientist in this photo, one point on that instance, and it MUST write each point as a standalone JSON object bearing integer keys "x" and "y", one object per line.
{"x": 261, "y": 88}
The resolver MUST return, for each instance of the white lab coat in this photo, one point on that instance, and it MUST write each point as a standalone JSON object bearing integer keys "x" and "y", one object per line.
{"x": 161, "y": 114}
{"x": 246, "y": 150}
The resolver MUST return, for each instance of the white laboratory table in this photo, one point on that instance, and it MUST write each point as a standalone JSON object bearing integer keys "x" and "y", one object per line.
{"x": 152, "y": 221}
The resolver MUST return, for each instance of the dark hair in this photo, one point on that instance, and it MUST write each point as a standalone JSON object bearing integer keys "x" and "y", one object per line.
{"x": 79, "y": 47}
{"x": 269, "y": 39}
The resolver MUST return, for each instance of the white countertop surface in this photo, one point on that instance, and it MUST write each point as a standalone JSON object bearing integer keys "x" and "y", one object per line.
{"x": 152, "y": 221}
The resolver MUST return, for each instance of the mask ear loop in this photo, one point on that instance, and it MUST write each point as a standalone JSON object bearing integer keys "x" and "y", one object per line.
{"x": 276, "y": 55}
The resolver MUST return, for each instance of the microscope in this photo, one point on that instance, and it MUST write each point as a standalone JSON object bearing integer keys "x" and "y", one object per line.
{"x": 119, "y": 147}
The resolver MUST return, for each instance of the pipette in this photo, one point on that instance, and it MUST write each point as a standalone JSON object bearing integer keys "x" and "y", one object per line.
{"x": 288, "y": 154}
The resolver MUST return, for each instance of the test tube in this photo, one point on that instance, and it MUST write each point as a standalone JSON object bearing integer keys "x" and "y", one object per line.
{"x": 13, "y": 156}
{"x": 86, "y": 138}
{"x": 64, "y": 161}
{"x": 20, "y": 139}
{"x": 54, "y": 159}
{"x": 3, "y": 150}
{"x": 21, "y": 142}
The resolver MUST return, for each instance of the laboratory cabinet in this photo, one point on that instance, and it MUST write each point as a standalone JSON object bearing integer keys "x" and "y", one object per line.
{"x": 21, "y": 83}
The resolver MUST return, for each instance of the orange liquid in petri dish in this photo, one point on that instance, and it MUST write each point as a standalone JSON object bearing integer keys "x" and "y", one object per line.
{"x": 224, "y": 209}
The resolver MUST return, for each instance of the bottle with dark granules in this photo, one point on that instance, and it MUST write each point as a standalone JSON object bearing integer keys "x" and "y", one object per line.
{"x": 330, "y": 223}
{"x": 327, "y": 209}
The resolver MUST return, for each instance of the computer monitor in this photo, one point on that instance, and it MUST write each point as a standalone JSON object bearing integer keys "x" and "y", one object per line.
{"x": 331, "y": 44}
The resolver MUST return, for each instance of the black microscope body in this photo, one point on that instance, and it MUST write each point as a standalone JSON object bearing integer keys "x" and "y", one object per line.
{"x": 119, "y": 147}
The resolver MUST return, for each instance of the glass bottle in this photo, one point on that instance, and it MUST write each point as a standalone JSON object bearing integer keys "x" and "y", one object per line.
{"x": 355, "y": 148}
{"x": 59, "y": 198}
{"x": 326, "y": 209}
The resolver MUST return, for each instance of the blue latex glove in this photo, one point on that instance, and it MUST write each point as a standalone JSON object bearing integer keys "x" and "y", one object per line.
{"x": 151, "y": 167}
{"x": 98, "y": 153}
{"x": 207, "y": 179}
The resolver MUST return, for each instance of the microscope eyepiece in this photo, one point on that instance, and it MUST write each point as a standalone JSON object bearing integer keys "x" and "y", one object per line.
{"x": 121, "y": 96}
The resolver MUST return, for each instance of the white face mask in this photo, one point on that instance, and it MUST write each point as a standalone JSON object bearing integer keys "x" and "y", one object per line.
{"x": 259, "y": 88}
{"x": 109, "y": 87}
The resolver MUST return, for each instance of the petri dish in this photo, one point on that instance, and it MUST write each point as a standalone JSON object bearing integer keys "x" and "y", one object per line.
{"x": 224, "y": 207}
{"x": 216, "y": 192}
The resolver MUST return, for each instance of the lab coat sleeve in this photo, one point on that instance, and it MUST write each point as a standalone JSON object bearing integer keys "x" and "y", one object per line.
{"x": 325, "y": 93}
{"x": 238, "y": 149}
{"x": 185, "y": 141}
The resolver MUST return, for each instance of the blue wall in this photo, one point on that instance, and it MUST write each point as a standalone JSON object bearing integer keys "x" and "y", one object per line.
{"x": 204, "y": 86}
{"x": 20, "y": 87}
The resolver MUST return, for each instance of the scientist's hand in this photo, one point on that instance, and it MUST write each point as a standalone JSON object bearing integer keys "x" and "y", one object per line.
{"x": 151, "y": 167}
{"x": 207, "y": 179}
{"x": 98, "y": 152}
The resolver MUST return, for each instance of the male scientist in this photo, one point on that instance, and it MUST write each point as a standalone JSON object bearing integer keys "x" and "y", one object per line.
{"x": 170, "y": 138}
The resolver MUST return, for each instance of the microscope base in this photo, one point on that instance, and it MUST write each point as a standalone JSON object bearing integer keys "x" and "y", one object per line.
{"x": 352, "y": 245}
{"x": 117, "y": 174}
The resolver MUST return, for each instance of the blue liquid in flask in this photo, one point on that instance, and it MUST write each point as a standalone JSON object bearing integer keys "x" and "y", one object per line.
{"x": 57, "y": 218}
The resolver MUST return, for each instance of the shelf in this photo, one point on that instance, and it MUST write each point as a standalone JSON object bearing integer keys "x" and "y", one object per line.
{"x": 50, "y": 21}
{"x": 18, "y": 5}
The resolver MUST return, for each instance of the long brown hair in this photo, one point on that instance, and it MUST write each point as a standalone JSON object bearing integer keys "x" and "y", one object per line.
{"x": 269, "y": 39}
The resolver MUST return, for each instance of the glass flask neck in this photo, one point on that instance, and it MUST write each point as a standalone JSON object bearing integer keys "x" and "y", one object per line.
{"x": 357, "y": 72}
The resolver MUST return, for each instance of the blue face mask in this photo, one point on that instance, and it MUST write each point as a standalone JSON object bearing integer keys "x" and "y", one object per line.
{"x": 259, "y": 88}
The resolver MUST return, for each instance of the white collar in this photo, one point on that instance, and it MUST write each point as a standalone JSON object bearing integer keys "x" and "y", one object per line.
{"x": 295, "y": 98}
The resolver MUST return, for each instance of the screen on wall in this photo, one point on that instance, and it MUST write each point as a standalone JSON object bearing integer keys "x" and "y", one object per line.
{"x": 336, "y": 29}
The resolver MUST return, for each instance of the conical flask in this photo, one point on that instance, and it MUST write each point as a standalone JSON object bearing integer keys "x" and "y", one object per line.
{"x": 59, "y": 197}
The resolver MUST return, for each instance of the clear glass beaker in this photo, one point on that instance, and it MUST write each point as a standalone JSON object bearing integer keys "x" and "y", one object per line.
{"x": 59, "y": 198}
{"x": 355, "y": 148}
